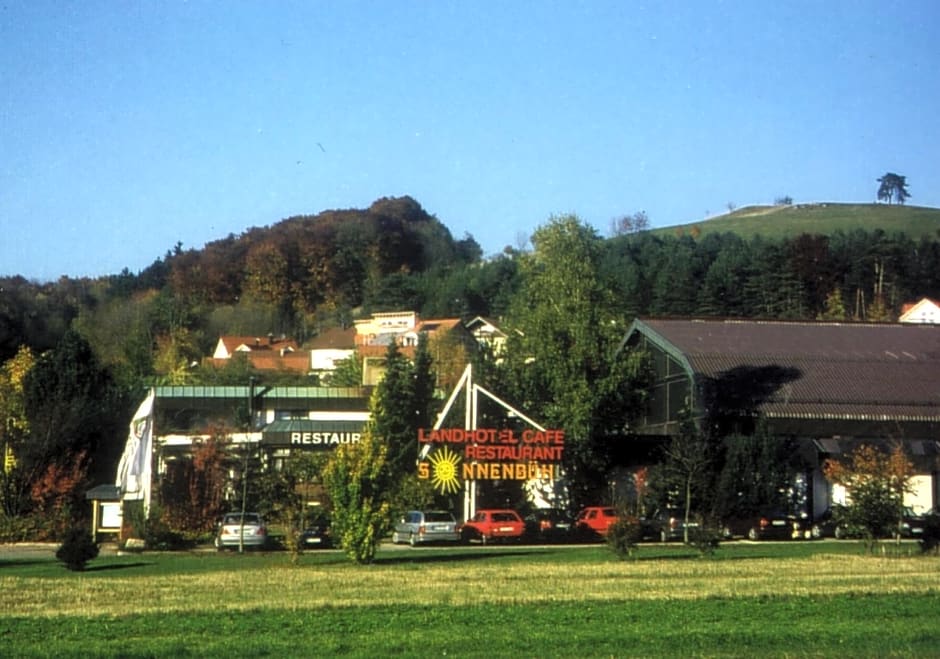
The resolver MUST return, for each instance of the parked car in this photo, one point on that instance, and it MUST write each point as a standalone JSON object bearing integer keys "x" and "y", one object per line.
{"x": 316, "y": 534}
{"x": 422, "y": 526}
{"x": 232, "y": 533}
{"x": 771, "y": 525}
{"x": 593, "y": 522}
{"x": 667, "y": 525}
{"x": 912, "y": 524}
{"x": 829, "y": 525}
{"x": 548, "y": 525}
{"x": 489, "y": 525}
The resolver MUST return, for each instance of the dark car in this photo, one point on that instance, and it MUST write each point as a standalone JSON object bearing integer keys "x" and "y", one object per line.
{"x": 548, "y": 525}
{"x": 832, "y": 524}
{"x": 666, "y": 525}
{"x": 771, "y": 525}
{"x": 316, "y": 535}
{"x": 912, "y": 524}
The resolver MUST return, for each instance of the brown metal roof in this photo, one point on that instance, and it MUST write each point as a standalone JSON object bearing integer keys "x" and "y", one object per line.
{"x": 817, "y": 370}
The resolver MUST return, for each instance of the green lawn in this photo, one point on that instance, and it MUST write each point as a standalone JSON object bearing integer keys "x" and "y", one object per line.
{"x": 787, "y": 599}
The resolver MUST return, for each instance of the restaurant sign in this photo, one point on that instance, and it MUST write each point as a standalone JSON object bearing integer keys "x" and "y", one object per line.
{"x": 453, "y": 455}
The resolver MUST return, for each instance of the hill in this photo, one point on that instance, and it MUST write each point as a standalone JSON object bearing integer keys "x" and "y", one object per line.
{"x": 777, "y": 222}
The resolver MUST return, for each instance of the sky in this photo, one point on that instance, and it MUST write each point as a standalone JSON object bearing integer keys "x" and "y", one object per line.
{"x": 129, "y": 127}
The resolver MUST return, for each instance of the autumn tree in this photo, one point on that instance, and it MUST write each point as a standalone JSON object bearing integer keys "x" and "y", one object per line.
{"x": 875, "y": 481}
{"x": 192, "y": 491}
{"x": 14, "y": 428}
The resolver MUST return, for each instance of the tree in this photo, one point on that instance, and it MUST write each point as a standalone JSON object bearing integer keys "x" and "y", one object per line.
{"x": 14, "y": 427}
{"x": 689, "y": 464}
{"x": 893, "y": 188}
{"x": 356, "y": 478}
{"x": 394, "y": 412}
{"x": 835, "y": 307}
{"x": 75, "y": 412}
{"x": 627, "y": 224}
{"x": 559, "y": 357}
{"x": 348, "y": 372}
{"x": 875, "y": 481}
{"x": 756, "y": 474}
{"x": 403, "y": 404}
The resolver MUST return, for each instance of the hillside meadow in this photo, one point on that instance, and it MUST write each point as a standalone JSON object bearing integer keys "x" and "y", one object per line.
{"x": 788, "y": 221}
{"x": 787, "y": 599}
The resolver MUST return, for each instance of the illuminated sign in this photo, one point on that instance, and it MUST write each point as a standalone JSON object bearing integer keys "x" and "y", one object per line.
{"x": 452, "y": 455}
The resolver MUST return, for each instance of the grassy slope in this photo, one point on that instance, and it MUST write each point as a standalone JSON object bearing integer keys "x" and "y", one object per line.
{"x": 823, "y": 218}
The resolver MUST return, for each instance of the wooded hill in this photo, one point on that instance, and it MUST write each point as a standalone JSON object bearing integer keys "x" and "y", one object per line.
{"x": 306, "y": 273}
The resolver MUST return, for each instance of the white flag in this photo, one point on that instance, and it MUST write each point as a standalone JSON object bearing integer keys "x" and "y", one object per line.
{"x": 133, "y": 474}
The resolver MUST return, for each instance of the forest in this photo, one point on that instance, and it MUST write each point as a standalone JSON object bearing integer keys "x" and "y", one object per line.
{"x": 77, "y": 353}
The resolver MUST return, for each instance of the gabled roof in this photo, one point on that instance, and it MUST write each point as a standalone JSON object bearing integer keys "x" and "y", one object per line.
{"x": 885, "y": 372}
{"x": 233, "y": 343}
{"x": 482, "y": 325}
{"x": 433, "y": 325}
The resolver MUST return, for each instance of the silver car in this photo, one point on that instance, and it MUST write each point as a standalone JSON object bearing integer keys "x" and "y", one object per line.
{"x": 419, "y": 526}
{"x": 230, "y": 531}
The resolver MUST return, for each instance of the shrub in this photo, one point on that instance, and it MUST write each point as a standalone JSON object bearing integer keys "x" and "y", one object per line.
{"x": 624, "y": 535}
{"x": 77, "y": 548}
{"x": 705, "y": 537}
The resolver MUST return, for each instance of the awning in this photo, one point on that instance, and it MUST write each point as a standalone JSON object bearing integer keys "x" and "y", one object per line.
{"x": 311, "y": 433}
{"x": 104, "y": 493}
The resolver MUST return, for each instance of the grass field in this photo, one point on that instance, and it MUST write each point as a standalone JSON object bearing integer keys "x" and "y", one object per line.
{"x": 787, "y": 599}
{"x": 775, "y": 222}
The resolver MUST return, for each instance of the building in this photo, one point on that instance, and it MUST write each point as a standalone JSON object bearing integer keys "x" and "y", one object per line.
{"x": 263, "y": 353}
{"x": 830, "y": 386}
{"x": 924, "y": 311}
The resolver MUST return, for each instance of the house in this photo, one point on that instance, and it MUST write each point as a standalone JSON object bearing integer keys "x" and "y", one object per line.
{"x": 487, "y": 334}
{"x": 924, "y": 311}
{"x": 830, "y": 386}
{"x": 265, "y": 354}
{"x": 331, "y": 346}
{"x": 449, "y": 342}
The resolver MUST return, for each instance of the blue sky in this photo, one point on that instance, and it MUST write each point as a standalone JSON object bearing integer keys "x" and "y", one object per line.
{"x": 126, "y": 127}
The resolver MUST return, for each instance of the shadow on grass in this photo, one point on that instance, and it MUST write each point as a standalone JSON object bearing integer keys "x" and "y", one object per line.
{"x": 116, "y": 566}
{"x": 24, "y": 562}
{"x": 411, "y": 558}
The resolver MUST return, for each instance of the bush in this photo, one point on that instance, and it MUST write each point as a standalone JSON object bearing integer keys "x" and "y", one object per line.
{"x": 705, "y": 537}
{"x": 77, "y": 549}
{"x": 624, "y": 535}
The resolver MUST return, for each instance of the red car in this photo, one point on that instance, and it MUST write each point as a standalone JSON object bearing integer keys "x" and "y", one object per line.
{"x": 594, "y": 521}
{"x": 489, "y": 525}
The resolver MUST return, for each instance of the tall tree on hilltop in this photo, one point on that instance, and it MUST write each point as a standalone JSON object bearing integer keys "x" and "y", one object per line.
{"x": 893, "y": 188}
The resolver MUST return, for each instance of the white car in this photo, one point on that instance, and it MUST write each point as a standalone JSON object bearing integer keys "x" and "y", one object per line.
{"x": 230, "y": 530}
{"x": 420, "y": 526}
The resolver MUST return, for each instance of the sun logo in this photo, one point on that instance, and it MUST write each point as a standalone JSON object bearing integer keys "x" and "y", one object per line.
{"x": 444, "y": 464}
